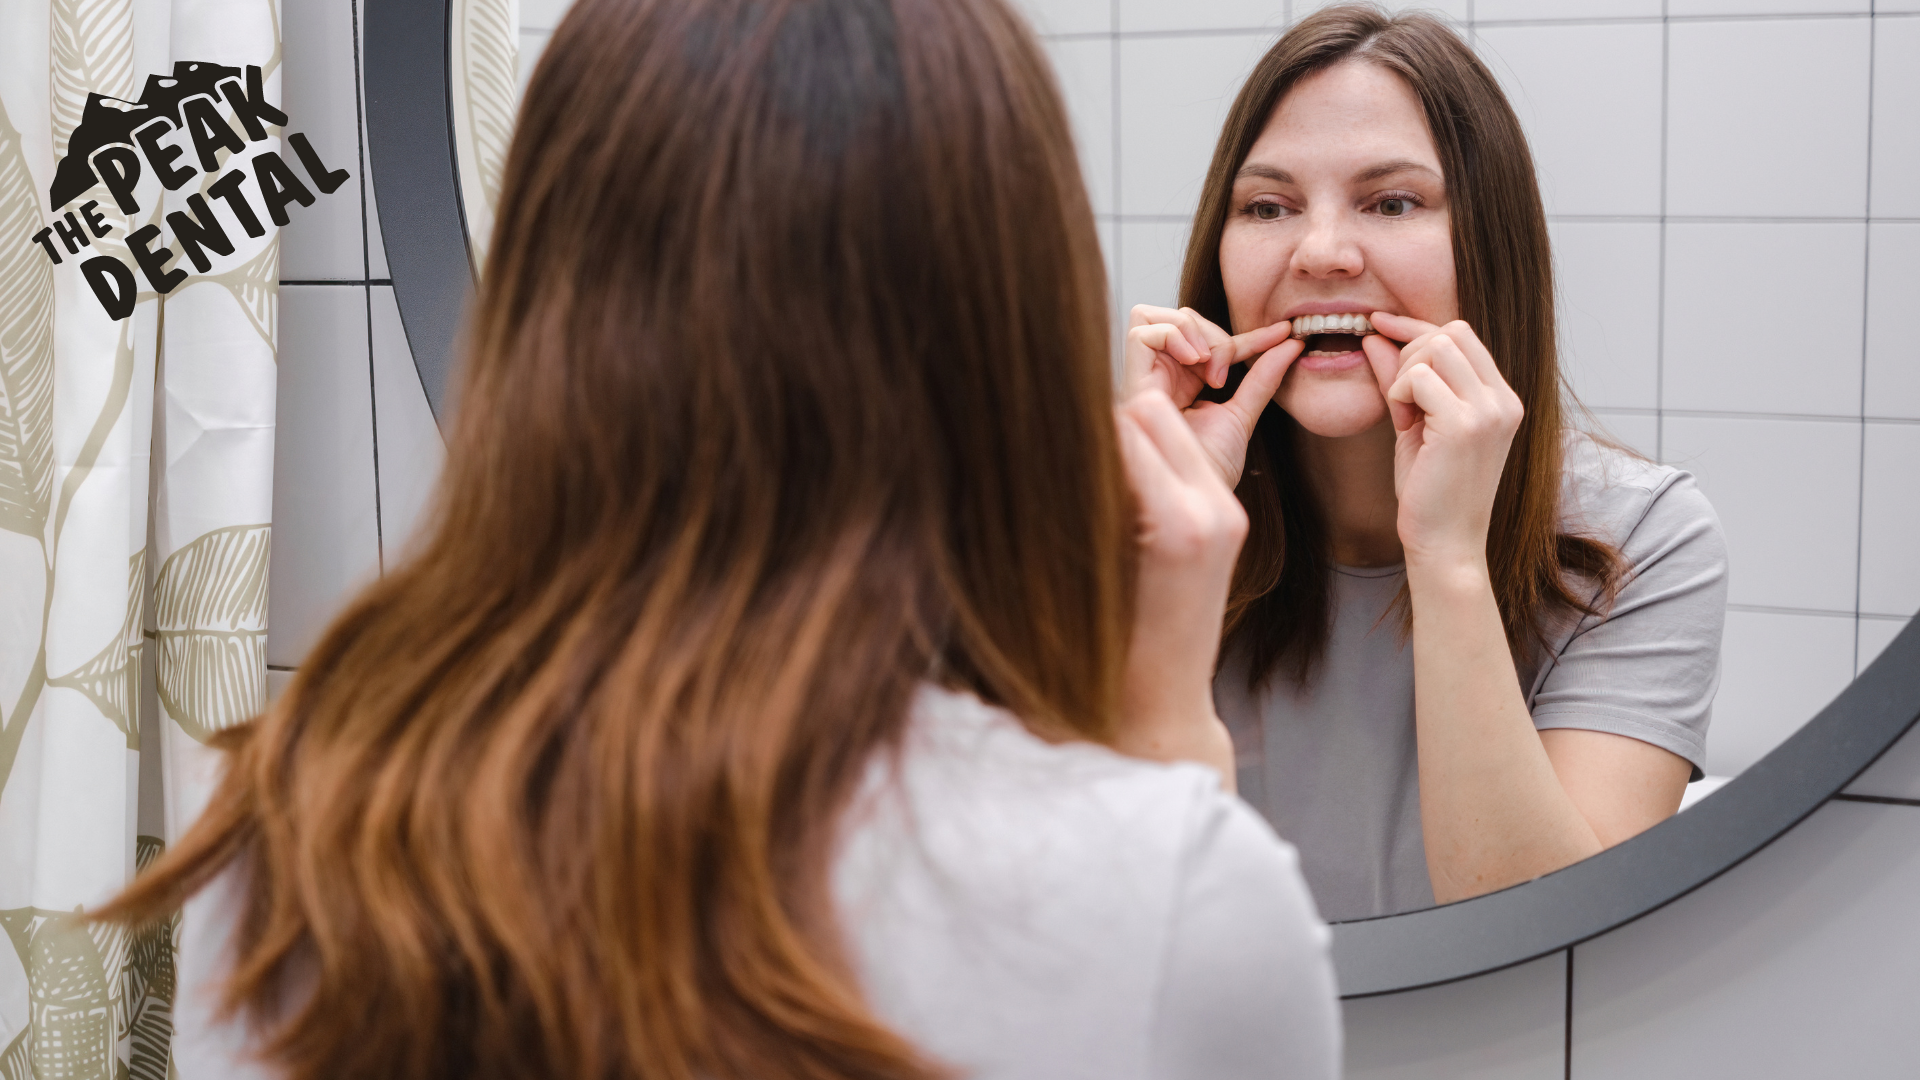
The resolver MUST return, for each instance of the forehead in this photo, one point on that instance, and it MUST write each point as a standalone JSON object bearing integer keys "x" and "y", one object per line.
{"x": 1350, "y": 115}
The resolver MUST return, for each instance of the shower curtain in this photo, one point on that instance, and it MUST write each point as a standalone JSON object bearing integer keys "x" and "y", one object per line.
{"x": 136, "y": 467}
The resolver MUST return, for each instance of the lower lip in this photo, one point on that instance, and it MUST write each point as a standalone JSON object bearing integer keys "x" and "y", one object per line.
{"x": 1346, "y": 361}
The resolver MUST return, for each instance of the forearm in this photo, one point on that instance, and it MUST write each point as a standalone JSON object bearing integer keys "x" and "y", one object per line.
{"x": 1493, "y": 811}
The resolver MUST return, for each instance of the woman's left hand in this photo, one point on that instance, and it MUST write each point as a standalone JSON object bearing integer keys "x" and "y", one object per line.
{"x": 1455, "y": 417}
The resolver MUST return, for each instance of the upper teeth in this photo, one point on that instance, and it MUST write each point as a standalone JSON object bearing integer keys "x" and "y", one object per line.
{"x": 1307, "y": 325}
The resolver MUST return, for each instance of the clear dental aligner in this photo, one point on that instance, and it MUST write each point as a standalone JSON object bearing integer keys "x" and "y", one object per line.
{"x": 1309, "y": 325}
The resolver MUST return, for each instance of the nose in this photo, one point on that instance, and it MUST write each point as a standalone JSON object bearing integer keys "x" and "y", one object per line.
{"x": 1327, "y": 249}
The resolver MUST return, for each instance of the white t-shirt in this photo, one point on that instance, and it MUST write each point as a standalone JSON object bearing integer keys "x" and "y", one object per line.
{"x": 1024, "y": 910}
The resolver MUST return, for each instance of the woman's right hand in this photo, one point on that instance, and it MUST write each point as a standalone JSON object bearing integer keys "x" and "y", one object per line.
{"x": 1190, "y": 531}
{"x": 1181, "y": 353}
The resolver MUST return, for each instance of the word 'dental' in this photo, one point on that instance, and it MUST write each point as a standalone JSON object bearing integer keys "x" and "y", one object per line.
{"x": 177, "y": 124}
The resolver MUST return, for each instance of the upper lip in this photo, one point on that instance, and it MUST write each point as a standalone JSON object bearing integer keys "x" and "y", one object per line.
{"x": 1333, "y": 307}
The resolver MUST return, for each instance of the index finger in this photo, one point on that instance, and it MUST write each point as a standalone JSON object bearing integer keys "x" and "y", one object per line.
{"x": 1243, "y": 347}
{"x": 1400, "y": 327}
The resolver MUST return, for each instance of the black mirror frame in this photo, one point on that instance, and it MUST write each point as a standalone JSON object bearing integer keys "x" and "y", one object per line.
{"x": 415, "y": 171}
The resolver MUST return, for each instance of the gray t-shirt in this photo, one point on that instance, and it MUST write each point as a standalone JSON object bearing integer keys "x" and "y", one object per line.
{"x": 1334, "y": 765}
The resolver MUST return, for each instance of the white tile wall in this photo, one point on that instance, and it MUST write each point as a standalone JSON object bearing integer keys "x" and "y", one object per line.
{"x": 1745, "y": 97}
{"x": 411, "y": 449}
{"x": 1064, "y": 16}
{"x": 1608, "y": 275}
{"x": 1893, "y": 349}
{"x": 1590, "y": 97}
{"x": 1150, "y": 15}
{"x": 1779, "y": 670}
{"x": 1876, "y": 633}
{"x": 1637, "y": 431}
{"x": 1538, "y": 11}
{"x": 1084, "y": 67}
{"x": 1800, "y": 962}
{"x": 1503, "y": 1026}
{"x": 1765, "y": 317}
{"x": 1890, "y": 520}
{"x": 1151, "y": 254}
{"x": 325, "y": 532}
{"x": 1174, "y": 93}
{"x": 1896, "y": 117}
{"x": 322, "y": 242}
{"x": 1763, "y": 7}
{"x": 1787, "y": 492}
{"x": 1897, "y": 774}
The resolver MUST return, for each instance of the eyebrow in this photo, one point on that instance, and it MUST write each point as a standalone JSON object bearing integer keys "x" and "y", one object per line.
{"x": 1367, "y": 175}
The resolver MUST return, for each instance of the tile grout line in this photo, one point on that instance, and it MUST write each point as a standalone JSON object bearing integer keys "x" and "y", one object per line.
{"x": 366, "y": 273}
{"x": 1866, "y": 307}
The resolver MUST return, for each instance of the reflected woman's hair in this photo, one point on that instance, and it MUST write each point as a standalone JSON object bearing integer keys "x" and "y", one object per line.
{"x": 787, "y": 385}
{"x": 1280, "y": 609}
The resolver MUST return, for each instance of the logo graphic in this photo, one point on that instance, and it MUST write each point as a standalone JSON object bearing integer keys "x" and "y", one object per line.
{"x": 176, "y": 125}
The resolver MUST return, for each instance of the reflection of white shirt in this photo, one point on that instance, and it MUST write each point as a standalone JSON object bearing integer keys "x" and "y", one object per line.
{"x": 1023, "y": 910}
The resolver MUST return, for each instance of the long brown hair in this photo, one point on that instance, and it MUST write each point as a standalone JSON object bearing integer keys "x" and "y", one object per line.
{"x": 787, "y": 386}
{"x": 1280, "y": 608}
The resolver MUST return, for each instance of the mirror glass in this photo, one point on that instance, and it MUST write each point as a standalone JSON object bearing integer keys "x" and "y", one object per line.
{"x": 1675, "y": 249}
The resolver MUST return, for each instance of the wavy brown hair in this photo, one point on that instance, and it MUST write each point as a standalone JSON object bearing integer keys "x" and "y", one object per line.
{"x": 1280, "y": 609}
{"x": 787, "y": 385}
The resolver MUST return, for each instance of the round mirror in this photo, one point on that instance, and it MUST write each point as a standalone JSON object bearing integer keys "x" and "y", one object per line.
{"x": 1644, "y": 241}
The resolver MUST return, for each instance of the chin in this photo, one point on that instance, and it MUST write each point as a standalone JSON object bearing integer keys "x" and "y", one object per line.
{"x": 1336, "y": 413}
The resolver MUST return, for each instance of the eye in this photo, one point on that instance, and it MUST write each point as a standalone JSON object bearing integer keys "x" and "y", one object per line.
{"x": 1267, "y": 211}
{"x": 1395, "y": 206}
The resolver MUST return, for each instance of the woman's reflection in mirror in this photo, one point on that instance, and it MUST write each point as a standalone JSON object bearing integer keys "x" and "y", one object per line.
{"x": 1467, "y": 643}
{"x": 779, "y": 688}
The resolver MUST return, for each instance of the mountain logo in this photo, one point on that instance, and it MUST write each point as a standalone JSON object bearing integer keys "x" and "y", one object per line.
{"x": 177, "y": 124}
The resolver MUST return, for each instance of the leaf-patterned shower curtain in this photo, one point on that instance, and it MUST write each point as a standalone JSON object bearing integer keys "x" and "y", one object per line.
{"x": 136, "y": 466}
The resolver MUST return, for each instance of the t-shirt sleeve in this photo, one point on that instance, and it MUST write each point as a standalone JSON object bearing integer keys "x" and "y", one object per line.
{"x": 1247, "y": 990}
{"x": 1650, "y": 667}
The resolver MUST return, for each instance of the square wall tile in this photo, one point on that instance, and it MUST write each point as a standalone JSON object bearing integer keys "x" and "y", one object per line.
{"x": 1455, "y": 10}
{"x": 1638, "y": 431}
{"x": 1765, "y": 7}
{"x": 1151, "y": 254}
{"x": 322, "y": 241}
{"x": 325, "y": 538}
{"x": 1174, "y": 95}
{"x": 1893, "y": 349}
{"x": 1787, "y": 492}
{"x": 1897, "y": 774}
{"x": 1608, "y": 278}
{"x": 1799, "y": 962}
{"x": 1744, "y": 94}
{"x": 1494, "y": 10}
{"x": 1509, "y": 1025}
{"x": 376, "y": 243}
{"x": 277, "y": 680}
{"x": 1896, "y": 118}
{"x": 1067, "y": 16}
{"x": 1589, "y": 97}
{"x": 411, "y": 449}
{"x": 1776, "y": 672}
{"x": 1765, "y": 317}
{"x": 1890, "y": 520}
{"x": 1150, "y": 15}
{"x": 1084, "y": 67}
{"x": 1875, "y": 635}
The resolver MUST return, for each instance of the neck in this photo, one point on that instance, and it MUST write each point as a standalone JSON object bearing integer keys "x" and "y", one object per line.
{"x": 1352, "y": 476}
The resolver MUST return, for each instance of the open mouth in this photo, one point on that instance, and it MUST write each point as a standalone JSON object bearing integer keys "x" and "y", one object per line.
{"x": 1331, "y": 335}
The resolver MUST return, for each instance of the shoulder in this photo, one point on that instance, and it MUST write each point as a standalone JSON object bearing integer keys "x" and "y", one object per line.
{"x": 1622, "y": 498}
{"x": 967, "y": 770}
{"x": 1010, "y": 903}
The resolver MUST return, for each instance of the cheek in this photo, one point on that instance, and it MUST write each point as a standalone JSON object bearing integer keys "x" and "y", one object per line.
{"x": 1249, "y": 270}
{"x": 1418, "y": 270}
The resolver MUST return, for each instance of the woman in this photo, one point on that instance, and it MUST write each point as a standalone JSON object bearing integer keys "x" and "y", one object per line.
{"x": 742, "y": 716}
{"x": 1466, "y": 645}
